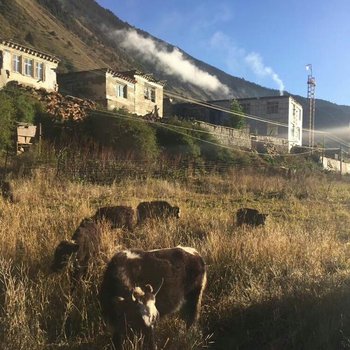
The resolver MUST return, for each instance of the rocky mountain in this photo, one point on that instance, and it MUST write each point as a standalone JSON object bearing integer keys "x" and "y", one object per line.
{"x": 85, "y": 36}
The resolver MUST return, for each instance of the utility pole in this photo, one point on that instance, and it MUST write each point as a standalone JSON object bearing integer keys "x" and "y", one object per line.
{"x": 311, "y": 86}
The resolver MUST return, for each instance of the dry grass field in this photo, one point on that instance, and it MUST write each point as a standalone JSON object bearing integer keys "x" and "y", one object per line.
{"x": 282, "y": 286}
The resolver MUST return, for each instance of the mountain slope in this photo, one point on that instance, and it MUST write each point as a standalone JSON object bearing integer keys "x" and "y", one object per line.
{"x": 81, "y": 33}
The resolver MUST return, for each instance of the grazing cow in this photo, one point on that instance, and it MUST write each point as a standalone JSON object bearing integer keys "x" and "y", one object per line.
{"x": 86, "y": 242}
{"x": 119, "y": 216}
{"x": 180, "y": 275}
{"x": 155, "y": 210}
{"x": 252, "y": 217}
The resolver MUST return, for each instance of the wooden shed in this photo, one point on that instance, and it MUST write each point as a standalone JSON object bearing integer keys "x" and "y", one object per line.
{"x": 25, "y": 133}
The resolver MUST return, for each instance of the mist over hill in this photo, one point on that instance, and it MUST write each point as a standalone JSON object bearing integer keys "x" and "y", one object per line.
{"x": 86, "y": 36}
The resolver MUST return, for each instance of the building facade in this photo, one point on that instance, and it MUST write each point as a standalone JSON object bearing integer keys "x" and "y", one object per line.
{"x": 132, "y": 90}
{"x": 27, "y": 66}
{"x": 284, "y": 113}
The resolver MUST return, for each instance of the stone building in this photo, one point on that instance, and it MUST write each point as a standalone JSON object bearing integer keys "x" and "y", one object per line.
{"x": 27, "y": 66}
{"x": 134, "y": 91}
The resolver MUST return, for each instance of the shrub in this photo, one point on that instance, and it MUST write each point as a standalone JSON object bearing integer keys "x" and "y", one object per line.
{"x": 128, "y": 136}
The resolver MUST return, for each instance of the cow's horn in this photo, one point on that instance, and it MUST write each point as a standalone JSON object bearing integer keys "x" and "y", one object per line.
{"x": 161, "y": 284}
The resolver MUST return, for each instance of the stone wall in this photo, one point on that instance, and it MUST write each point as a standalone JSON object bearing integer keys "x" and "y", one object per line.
{"x": 228, "y": 136}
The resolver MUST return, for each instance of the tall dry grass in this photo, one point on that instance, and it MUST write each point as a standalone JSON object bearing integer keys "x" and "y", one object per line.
{"x": 283, "y": 286}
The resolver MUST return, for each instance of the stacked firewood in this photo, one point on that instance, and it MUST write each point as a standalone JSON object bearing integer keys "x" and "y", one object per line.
{"x": 67, "y": 107}
{"x": 59, "y": 106}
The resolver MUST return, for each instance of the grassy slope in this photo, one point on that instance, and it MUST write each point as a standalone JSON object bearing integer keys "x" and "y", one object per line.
{"x": 17, "y": 19}
{"x": 280, "y": 287}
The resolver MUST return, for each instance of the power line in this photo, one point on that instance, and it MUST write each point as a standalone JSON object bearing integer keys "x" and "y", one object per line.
{"x": 250, "y": 116}
{"x": 172, "y": 127}
{"x": 241, "y": 114}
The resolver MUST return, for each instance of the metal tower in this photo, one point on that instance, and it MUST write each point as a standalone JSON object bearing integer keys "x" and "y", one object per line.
{"x": 311, "y": 86}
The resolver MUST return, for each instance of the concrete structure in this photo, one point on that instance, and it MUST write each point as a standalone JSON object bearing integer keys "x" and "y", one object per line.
{"x": 283, "y": 110}
{"x": 280, "y": 110}
{"x": 335, "y": 165}
{"x": 27, "y": 66}
{"x": 132, "y": 90}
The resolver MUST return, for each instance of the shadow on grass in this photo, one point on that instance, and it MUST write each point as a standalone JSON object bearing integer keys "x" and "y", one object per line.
{"x": 295, "y": 322}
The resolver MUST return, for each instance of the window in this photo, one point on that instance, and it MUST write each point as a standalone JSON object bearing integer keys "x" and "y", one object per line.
{"x": 150, "y": 93}
{"x": 122, "y": 90}
{"x": 272, "y": 107}
{"x": 16, "y": 64}
{"x": 245, "y": 107}
{"x": 272, "y": 130}
{"x": 28, "y": 67}
{"x": 39, "y": 71}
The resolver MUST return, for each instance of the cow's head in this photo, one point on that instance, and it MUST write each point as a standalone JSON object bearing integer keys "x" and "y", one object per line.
{"x": 261, "y": 218}
{"x": 62, "y": 254}
{"x": 140, "y": 310}
{"x": 176, "y": 212}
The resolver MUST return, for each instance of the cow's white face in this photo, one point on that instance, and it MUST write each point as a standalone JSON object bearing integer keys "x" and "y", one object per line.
{"x": 146, "y": 303}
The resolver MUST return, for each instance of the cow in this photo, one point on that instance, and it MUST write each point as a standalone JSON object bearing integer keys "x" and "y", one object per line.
{"x": 119, "y": 216}
{"x": 85, "y": 243}
{"x": 180, "y": 275}
{"x": 156, "y": 210}
{"x": 248, "y": 216}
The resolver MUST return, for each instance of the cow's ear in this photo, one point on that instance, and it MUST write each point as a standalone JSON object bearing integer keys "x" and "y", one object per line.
{"x": 73, "y": 247}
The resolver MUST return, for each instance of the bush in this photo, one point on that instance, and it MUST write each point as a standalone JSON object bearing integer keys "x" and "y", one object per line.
{"x": 130, "y": 137}
{"x": 16, "y": 105}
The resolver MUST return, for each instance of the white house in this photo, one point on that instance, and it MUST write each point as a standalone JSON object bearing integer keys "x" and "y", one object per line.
{"x": 27, "y": 66}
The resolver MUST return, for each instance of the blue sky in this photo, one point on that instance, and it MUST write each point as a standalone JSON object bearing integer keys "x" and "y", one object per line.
{"x": 267, "y": 42}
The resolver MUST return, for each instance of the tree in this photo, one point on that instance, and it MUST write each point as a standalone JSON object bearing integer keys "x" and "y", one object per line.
{"x": 236, "y": 121}
{"x": 7, "y": 112}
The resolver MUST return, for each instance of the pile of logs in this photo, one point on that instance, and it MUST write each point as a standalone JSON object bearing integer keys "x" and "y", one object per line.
{"x": 62, "y": 107}
{"x": 67, "y": 107}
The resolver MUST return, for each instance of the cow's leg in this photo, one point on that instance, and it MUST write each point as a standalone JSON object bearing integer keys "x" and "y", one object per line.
{"x": 149, "y": 342}
{"x": 190, "y": 309}
{"x": 117, "y": 341}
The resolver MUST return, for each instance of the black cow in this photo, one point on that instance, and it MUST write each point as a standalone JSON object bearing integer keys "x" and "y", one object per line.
{"x": 86, "y": 243}
{"x": 119, "y": 216}
{"x": 156, "y": 210}
{"x": 7, "y": 191}
{"x": 180, "y": 275}
{"x": 252, "y": 217}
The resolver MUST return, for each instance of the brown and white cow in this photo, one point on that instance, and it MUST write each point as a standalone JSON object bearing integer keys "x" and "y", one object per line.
{"x": 156, "y": 210}
{"x": 178, "y": 273}
{"x": 85, "y": 243}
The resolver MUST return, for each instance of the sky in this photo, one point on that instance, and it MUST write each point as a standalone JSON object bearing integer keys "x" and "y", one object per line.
{"x": 267, "y": 42}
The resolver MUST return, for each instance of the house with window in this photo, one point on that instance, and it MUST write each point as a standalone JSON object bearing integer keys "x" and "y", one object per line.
{"x": 27, "y": 66}
{"x": 134, "y": 91}
{"x": 283, "y": 113}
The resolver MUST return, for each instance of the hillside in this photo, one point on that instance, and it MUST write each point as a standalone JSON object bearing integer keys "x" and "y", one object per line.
{"x": 85, "y": 36}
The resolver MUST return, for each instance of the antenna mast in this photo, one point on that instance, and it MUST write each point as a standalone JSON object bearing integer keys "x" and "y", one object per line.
{"x": 311, "y": 86}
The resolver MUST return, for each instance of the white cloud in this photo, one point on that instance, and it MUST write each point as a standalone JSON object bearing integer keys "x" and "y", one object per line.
{"x": 237, "y": 58}
{"x": 171, "y": 62}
